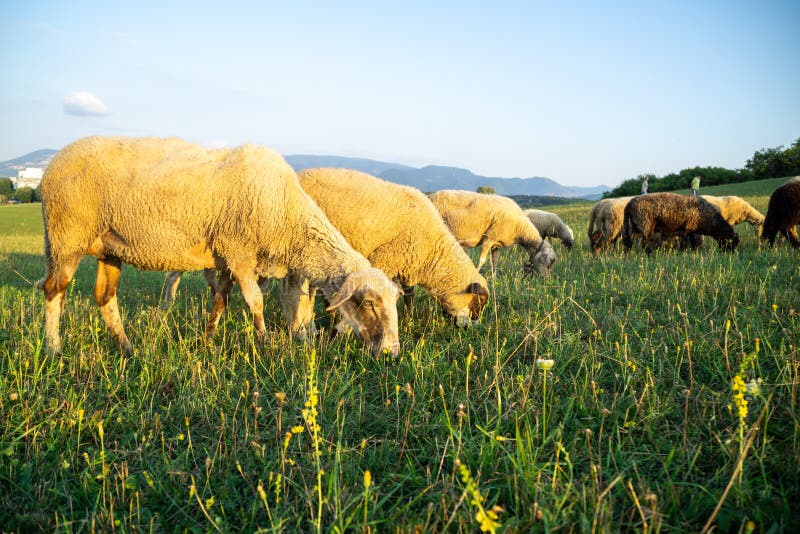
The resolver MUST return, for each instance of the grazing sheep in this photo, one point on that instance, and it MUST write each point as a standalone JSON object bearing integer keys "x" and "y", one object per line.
{"x": 491, "y": 222}
{"x": 399, "y": 231}
{"x": 783, "y": 213}
{"x": 165, "y": 204}
{"x": 550, "y": 225}
{"x": 737, "y": 210}
{"x": 669, "y": 213}
{"x": 605, "y": 222}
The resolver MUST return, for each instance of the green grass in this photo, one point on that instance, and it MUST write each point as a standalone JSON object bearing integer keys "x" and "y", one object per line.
{"x": 637, "y": 425}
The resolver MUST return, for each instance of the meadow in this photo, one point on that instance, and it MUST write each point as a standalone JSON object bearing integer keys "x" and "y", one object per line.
{"x": 672, "y": 403}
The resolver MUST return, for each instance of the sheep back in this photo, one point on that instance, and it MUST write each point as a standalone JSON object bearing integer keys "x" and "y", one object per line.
{"x": 471, "y": 216}
{"x": 165, "y": 204}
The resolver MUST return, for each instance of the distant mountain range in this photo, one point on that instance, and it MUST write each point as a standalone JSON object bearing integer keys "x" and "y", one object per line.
{"x": 40, "y": 158}
{"x": 435, "y": 177}
{"x": 429, "y": 178}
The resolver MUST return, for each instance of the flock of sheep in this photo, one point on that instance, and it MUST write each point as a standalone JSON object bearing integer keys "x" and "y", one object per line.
{"x": 686, "y": 218}
{"x": 244, "y": 216}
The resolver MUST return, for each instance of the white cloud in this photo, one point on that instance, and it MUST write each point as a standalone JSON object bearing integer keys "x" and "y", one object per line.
{"x": 216, "y": 143}
{"x": 83, "y": 104}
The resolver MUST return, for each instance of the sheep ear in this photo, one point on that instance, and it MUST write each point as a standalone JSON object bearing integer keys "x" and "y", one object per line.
{"x": 344, "y": 293}
{"x": 476, "y": 289}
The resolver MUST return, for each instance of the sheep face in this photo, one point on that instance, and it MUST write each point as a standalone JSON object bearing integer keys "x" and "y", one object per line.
{"x": 567, "y": 237}
{"x": 368, "y": 303}
{"x": 541, "y": 260}
{"x": 466, "y": 307}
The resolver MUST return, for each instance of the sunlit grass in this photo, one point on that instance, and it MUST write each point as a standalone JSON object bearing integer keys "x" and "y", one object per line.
{"x": 637, "y": 425}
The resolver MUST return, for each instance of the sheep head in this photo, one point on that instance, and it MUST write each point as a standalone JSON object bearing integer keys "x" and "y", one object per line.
{"x": 466, "y": 306}
{"x": 728, "y": 243}
{"x": 367, "y": 300}
{"x": 541, "y": 260}
{"x": 567, "y": 237}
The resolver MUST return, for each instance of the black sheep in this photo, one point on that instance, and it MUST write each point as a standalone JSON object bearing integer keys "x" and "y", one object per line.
{"x": 686, "y": 216}
{"x": 783, "y": 213}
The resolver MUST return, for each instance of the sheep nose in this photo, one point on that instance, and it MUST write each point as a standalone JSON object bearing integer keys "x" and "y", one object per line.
{"x": 462, "y": 320}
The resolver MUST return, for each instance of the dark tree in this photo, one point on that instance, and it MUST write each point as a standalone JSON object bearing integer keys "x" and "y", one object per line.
{"x": 23, "y": 194}
{"x": 6, "y": 188}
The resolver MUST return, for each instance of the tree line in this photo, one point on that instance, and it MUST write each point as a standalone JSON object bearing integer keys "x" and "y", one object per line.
{"x": 22, "y": 194}
{"x": 766, "y": 163}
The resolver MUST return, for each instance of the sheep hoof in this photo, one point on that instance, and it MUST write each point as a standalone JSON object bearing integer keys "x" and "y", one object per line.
{"x": 53, "y": 350}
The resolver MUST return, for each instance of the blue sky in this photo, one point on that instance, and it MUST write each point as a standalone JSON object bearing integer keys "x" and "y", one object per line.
{"x": 581, "y": 92}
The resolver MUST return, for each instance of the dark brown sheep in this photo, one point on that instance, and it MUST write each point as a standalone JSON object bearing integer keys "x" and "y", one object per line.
{"x": 783, "y": 213}
{"x": 687, "y": 216}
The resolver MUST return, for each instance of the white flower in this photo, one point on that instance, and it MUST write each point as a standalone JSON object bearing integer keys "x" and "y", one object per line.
{"x": 753, "y": 388}
{"x": 543, "y": 364}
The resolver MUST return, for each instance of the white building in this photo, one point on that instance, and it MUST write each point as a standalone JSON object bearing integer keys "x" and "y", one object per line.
{"x": 30, "y": 177}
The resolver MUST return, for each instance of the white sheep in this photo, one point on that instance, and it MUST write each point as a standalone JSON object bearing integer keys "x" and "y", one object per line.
{"x": 737, "y": 210}
{"x": 550, "y": 225}
{"x": 492, "y": 222}
{"x": 168, "y": 205}
{"x": 400, "y": 232}
{"x": 605, "y": 222}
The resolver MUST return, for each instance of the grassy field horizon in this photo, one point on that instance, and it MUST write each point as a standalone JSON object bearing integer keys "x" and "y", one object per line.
{"x": 671, "y": 404}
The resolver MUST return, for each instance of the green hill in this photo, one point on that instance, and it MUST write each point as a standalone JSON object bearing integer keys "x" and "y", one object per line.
{"x": 754, "y": 188}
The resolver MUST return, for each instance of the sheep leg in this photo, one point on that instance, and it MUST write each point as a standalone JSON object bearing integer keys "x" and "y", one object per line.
{"x": 221, "y": 298}
{"x": 54, "y": 286}
{"x": 171, "y": 282}
{"x": 790, "y": 233}
{"x": 486, "y": 248}
{"x": 255, "y": 300}
{"x": 211, "y": 279}
{"x": 263, "y": 284}
{"x": 627, "y": 237}
{"x": 297, "y": 304}
{"x": 494, "y": 257}
{"x": 594, "y": 242}
{"x": 105, "y": 295}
